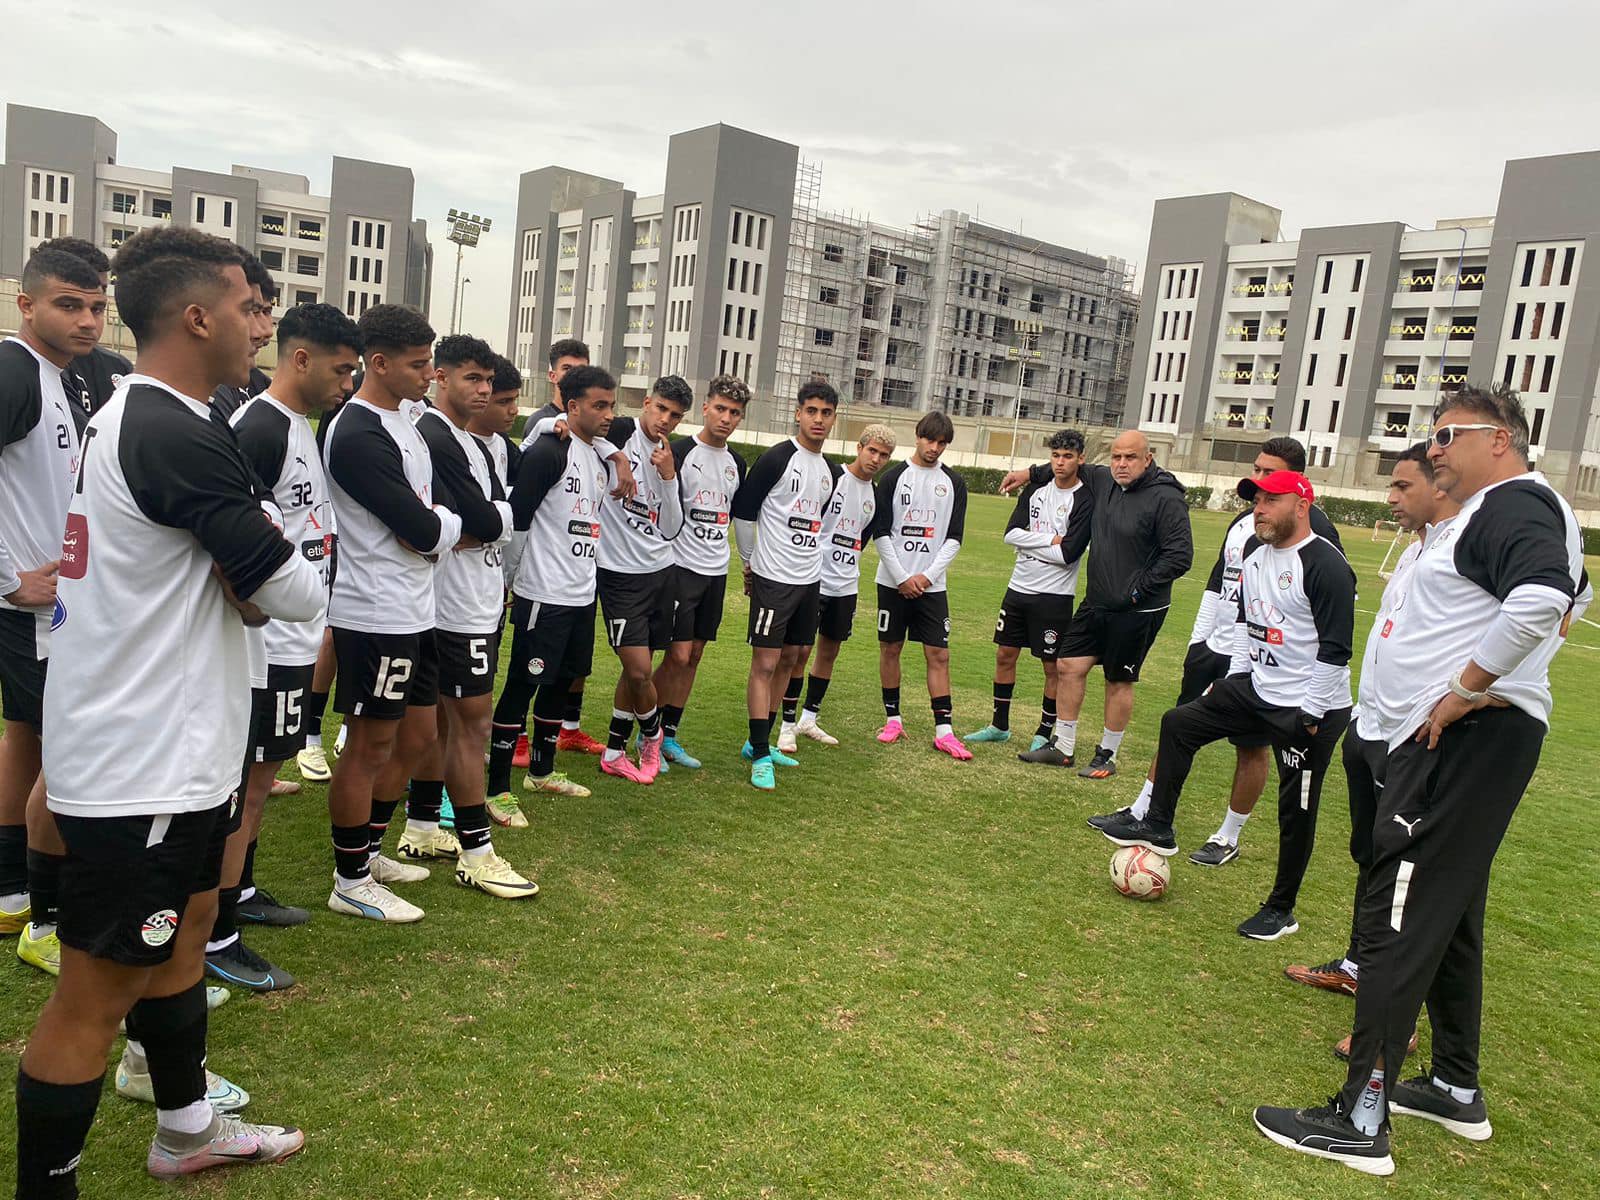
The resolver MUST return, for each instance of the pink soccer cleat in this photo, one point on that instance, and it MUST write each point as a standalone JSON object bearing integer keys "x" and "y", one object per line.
{"x": 952, "y": 746}
{"x": 623, "y": 768}
{"x": 892, "y": 731}
{"x": 650, "y": 757}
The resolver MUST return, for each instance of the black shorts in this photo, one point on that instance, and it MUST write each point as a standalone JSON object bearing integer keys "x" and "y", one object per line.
{"x": 1036, "y": 620}
{"x": 122, "y": 897}
{"x": 552, "y": 643}
{"x": 1202, "y": 667}
{"x": 925, "y": 619}
{"x": 277, "y": 714}
{"x": 697, "y": 605}
{"x": 835, "y": 616}
{"x": 467, "y": 663}
{"x": 638, "y": 608}
{"x": 383, "y": 674}
{"x": 21, "y": 669}
{"x": 1118, "y": 641}
{"x": 782, "y": 614}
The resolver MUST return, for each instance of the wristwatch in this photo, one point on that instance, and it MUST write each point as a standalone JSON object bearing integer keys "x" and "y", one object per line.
{"x": 1466, "y": 693}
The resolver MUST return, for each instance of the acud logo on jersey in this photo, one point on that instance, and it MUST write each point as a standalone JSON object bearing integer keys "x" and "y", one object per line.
{"x": 75, "y": 547}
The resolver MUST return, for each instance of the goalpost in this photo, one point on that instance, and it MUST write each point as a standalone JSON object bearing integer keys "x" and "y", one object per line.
{"x": 1398, "y": 541}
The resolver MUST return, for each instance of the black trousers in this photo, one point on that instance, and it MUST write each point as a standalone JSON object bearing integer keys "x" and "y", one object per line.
{"x": 1364, "y": 765}
{"x": 1232, "y": 708}
{"x": 1440, "y": 820}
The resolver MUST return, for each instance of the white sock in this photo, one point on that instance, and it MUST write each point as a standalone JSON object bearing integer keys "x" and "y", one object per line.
{"x": 1232, "y": 826}
{"x": 215, "y": 947}
{"x": 1142, "y": 804}
{"x": 610, "y": 755}
{"x": 1368, "y": 1114}
{"x": 136, "y": 1049}
{"x": 1349, "y": 967}
{"x": 37, "y": 931}
{"x": 1067, "y": 736}
{"x": 341, "y": 884}
{"x": 191, "y": 1119}
{"x": 482, "y": 851}
{"x": 249, "y": 893}
{"x": 940, "y": 731}
{"x": 313, "y": 741}
{"x": 14, "y": 901}
{"x": 1111, "y": 740}
{"x": 421, "y": 827}
{"x": 570, "y": 726}
{"x": 1462, "y": 1095}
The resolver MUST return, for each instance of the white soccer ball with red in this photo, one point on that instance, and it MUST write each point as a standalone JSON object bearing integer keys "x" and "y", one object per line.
{"x": 1139, "y": 873}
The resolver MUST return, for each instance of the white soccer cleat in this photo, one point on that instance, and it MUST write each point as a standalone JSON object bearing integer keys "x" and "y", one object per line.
{"x": 385, "y": 870}
{"x": 808, "y": 728}
{"x": 370, "y": 899}
{"x": 313, "y": 764}
{"x": 786, "y": 739}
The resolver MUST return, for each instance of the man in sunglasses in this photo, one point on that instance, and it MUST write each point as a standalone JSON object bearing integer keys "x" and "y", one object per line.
{"x": 1462, "y": 698}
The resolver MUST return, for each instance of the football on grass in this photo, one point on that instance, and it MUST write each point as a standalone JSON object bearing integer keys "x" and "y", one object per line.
{"x": 1140, "y": 873}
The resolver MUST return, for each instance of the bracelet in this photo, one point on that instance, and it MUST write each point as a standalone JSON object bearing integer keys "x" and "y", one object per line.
{"x": 1463, "y": 691}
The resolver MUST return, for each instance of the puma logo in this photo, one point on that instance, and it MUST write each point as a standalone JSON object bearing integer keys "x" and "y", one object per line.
{"x": 1410, "y": 826}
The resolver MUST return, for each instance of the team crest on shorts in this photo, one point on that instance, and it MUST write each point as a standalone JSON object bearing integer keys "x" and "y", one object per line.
{"x": 159, "y": 927}
{"x": 1049, "y": 637}
{"x": 536, "y": 666}
{"x": 947, "y": 625}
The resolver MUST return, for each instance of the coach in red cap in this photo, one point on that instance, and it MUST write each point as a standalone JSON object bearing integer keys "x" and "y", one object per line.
{"x": 1289, "y": 681}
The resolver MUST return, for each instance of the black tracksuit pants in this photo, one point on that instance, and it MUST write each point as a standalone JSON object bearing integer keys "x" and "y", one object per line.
{"x": 1364, "y": 765}
{"x": 1440, "y": 819}
{"x": 1232, "y": 708}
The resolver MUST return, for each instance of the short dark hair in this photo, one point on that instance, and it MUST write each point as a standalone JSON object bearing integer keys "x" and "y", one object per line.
{"x": 817, "y": 390}
{"x": 506, "y": 376}
{"x": 321, "y": 325}
{"x": 458, "y": 349}
{"x": 1418, "y": 453}
{"x": 158, "y": 268}
{"x": 936, "y": 427}
{"x": 393, "y": 327}
{"x": 567, "y": 348}
{"x": 49, "y": 263}
{"x": 79, "y": 248}
{"x": 674, "y": 390}
{"x": 730, "y": 387}
{"x": 1066, "y": 439}
{"x": 257, "y": 275}
{"x": 580, "y": 379}
{"x": 1288, "y": 449}
{"x": 1498, "y": 405}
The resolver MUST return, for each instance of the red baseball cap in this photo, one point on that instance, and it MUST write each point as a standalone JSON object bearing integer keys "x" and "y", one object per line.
{"x": 1279, "y": 483}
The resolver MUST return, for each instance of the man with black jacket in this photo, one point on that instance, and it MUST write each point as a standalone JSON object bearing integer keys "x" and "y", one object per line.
{"x": 1141, "y": 539}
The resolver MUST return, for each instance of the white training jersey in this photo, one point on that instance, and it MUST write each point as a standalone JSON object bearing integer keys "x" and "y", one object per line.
{"x": 1213, "y": 623}
{"x": 499, "y": 448}
{"x": 922, "y": 513}
{"x": 1393, "y": 590}
{"x": 845, "y": 523}
{"x": 637, "y": 533}
{"x": 469, "y": 586}
{"x": 281, "y": 448}
{"x": 709, "y": 477}
{"x": 391, "y": 529}
{"x": 555, "y": 507}
{"x": 1295, "y": 622}
{"x": 784, "y": 496}
{"x": 147, "y": 711}
{"x": 39, "y": 449}
{"x": 1045, "y": 566}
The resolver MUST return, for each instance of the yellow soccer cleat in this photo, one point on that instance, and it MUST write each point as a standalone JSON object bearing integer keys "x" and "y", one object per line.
{"x": 556, "y": 785}
{"x": 418, "y": 844}
{"x": 42, "y": 952}
{"x": 493, "y": 874}
{"x": 505, "y": 810}
{"x": 313, "y": 764}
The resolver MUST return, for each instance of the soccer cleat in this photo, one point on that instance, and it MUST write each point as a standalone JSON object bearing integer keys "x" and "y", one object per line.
{"x": 313, "y": 764}
{"x": 1038, "y": 740}
{"x": 761, "y": 775}
{"x": 1269, "y": 924}
{"x": 1102, "y": 766}
{"x": 234, "y": 1142}
{"x": 16, "y": 920}
{"x": 43, "y": 952}
{"x": 1421, "y": 1097}
{"x": 492, "y": 874}
{"x": 778, "y": 757}
{"x": 1128, "y": 830}
{"x": 1327, "y": 1133}
{"x": 651, "y": 763}
{"x": 506, "y": 810}
{"x": 216, "y": 997}
{"x": 1050, "y": 754}
{"x": 576, "y": 741}
{"x": 808, "y": 728}
{"x": 372, "y": 900}
{"x": 523, "y": 754}
{"x": 1215, "y": 853}
{"x": 427, "y": 843}
{"x": 284, "y": 787}
{"x": 340, "y": 738}
{"x": 892, "y": 731}
{"x": 264, "y": 909}
{"x": 621, "y": 767}
{"x": 243, "y": 967}
{"x": 385, "y": 870}
{"x": 1329, "y": 976}
{"x": 988, "y": 734}
{"x": 133, "y": 1083}
{"x": 674, "y": 753}
{"x": 1111, "y": 818}
{"x": 556, "y": 784}
{"x": 1341, "y": 1049}
{"x": 953, "y": 746}
{"x": 447, "y": 812}
{"x": 786, "y": 739}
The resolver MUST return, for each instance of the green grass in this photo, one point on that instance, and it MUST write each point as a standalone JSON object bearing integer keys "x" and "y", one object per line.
{"x": 899, "y": 976}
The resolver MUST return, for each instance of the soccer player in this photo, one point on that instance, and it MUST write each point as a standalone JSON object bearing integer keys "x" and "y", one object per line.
{"x": 845, "y": 523}
{"x": 392, "y": 530}
{"x": 711, "y": 476}
{"x": 229, "y": 399}
{"x": 551, "y": 563}
{"x": 166, "y": 553}
{"x": 921, "y": 514}
{"x": 100, "y": 370}
{"x": 62, "y": 308}
{"x": 1049, "y": 529}
{"x": 1462, "y": 699}
{"x": 778, "y": 515}
{"x": 1140, "y": 530}
{"x": 470, "y": 594}
{"x": 493, "y": 425}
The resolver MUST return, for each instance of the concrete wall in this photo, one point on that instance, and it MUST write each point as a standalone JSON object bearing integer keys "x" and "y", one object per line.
{"x": 541, "y": 196}
{"x": 42, "y": 137}
{"x": 419, "y": 267}
{"x": 241, "y": 189}
{"x": 378, "y": 191}
{"x": 618, "y": 205}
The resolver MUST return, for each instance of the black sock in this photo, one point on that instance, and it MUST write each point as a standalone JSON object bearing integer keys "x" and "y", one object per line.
{"x": 941, "y": 710}
{"x": 226, "y": 924}
{"x": 772, "y": 721}
{"x": 816, "y": 689}
{"x": 378, "y": 825}
{"x": 891, "y": 702}
{"x": 621, "y": 727}
{"x": 791, "y": 699}
{"x": 247, "y": 873}
{"x": 53, "y": 1121}
{"x": 650, "y": 724}
{"x": 13, "y": 859}
{"x": 1002, "y": 705}
{"x": 502, "y": 749}
{"x": 316, "y": 705}
{"x": 44, "y": 886}
{"x": 350, "y": 851}
{"x": 1047, "y": 717}
{"x": 572, "y": 708}
{"x": 173, "y": 1032}
{"x": 671, "y": 714}
{"x": 760, "y": 738}
{"x": 472, "y": 826}
{"x": 542, "y": 746}
{"x": 425, "y": 800}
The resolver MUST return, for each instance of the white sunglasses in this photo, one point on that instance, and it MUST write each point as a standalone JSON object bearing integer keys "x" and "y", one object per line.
{"x": 1445, "y": 434}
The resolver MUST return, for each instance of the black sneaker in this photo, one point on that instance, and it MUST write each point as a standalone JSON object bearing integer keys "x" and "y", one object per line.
{"x": 241, "y": 966}
{"x": 1269, "y": 925}
{"x": 1421, "y": 1097}
{"x": 264, "y": 909}
{"x": 1102, "y": 766}
{"x": 1126, "y": 830}
{"x": 1100, "y": 822}
{"x": 1215, "y": 854}
{"x": 1327, "y": 1133}
{"x": 1050, "y": 754}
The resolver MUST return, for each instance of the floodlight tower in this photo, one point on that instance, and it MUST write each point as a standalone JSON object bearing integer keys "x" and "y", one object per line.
{"x": 465, "y": 229}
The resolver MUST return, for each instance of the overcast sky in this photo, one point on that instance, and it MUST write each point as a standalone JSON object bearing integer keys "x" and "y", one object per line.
{"x": 1065, "y": 120}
